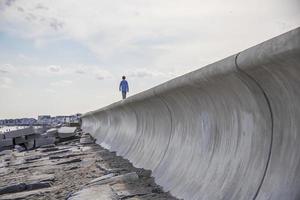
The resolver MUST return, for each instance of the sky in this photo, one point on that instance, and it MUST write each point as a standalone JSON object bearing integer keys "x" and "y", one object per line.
{"x": 66, "y": 56}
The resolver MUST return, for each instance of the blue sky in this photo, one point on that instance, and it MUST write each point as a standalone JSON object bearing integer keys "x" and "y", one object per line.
{"x": 68, "y": 56}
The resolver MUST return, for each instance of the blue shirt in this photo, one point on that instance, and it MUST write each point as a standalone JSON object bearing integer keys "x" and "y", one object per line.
{"x": 124, "y": 86}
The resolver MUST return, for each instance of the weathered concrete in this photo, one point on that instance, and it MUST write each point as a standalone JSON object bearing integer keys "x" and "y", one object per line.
{"x": 226, "y": 131}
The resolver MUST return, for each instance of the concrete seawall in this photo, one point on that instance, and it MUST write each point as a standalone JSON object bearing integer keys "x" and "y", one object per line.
{"x": 230, "y": 130}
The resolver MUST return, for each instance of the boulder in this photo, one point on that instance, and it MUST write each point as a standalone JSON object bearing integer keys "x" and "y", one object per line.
{"x": 43, "y": 140}
{"x": 53, "y": 132}
{"x": 19, "y": 148}
{"x": 6, "y": 142}
{"x": 66, "y": 132}
{"x": 20, "y": 140}
{"x": 19, "y": 133}
{"x": 103, "y": 192}
{"x": 86, "y": 138}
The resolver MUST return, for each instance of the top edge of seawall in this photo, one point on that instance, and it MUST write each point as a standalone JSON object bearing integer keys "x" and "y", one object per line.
{"x": 260, "y": 54}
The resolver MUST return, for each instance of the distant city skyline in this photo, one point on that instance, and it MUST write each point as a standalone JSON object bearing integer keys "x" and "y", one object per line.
{"x": 67, "y": 57}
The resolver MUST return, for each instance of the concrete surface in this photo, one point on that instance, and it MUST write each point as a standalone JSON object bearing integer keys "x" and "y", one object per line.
{"x": 226, "y": 131}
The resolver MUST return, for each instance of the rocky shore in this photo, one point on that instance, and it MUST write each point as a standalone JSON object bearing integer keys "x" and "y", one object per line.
{"x": 73, "y": 169}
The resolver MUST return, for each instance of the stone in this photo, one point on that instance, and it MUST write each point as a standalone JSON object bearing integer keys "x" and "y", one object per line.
{"x": 66, "y": 132}
{"x": 27, "y": 194}
{"x": 101, "y": 178}
{"x": 19, "y": 132}
{"x": 20, "y": 140}
{"x": 103, "y": 192}
{"x": 6, "y": 142}
{"x": 33, "y": 136}
{"x": 129, "y": 177}
{"x": 53, "y": 132}
{"x": 44, "y": 141}
{"x": 13, "y": 188}
{"x": 34, "y": 157}
{"x": 69, "y": 161}
{"x": 86, "y": 139}
{"x": 125, "y": 190}
{"x": 19, "y": 148}
{"x": 29, "y": 144}
{"x": 40, "y": 130}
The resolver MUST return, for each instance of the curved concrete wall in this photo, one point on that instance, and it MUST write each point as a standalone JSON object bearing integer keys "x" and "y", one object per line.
{"x": 227, "y": 131}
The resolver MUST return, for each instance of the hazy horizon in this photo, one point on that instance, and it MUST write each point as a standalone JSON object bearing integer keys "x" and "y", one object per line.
{"x": 68, "y": 57}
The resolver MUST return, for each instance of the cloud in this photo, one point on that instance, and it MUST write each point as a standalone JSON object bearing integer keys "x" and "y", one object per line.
{"x": 141, "y": 73}
{"x": 9, "y": 2}
{"x": 80, "y": 71}
{"x": 103, "y": 74}
{"x": 6, "y": 68}
{"x": 62, "y": 83}
{"x": 6, "y": 82}
{"x": 54, "y": 68}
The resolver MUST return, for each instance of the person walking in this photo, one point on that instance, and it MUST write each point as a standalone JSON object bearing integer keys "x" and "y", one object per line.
{"x": 124, "y": 87}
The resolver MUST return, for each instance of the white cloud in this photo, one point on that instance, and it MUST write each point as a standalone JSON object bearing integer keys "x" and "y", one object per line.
{"x": 103, "y": 74}
{"x": 6, "y": 68}
{"x": 54, "y": 68}
{"x": 141, "y": 73}
{"x": 153, "y": 34}
{"x": 62, "y": 83}
{"x": 6, "y": 82}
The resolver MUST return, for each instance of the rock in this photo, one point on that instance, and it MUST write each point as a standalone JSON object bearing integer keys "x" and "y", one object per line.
{"x": 19, "y": 133}
{"x": 129, "y": 177}
{"x": 103, "y": 192}
{"x": 69, "y": 161}
{"x": 66, "y": 132}
{"x": 124, "y": 190}
{"x": 101, "y": 178}
{"x": 33, "y": 136}
{"x": 53, "y": 132}
{"x": 31, "y": 158}
{"x": 13, "y": 188}
{"x": 44, "y": 141}
{"x": 19, "y": 148}
{"x": 6, "y": 142}
{"x": 20, "y": 140}
{"x": 28, "y": 194}
{"x": 87, "y": 139}
{"x": 40, "y": 130}
{"x": 29, "y": 144}
{"x": 47, "y": 146}
{"x": 44, "y": 150}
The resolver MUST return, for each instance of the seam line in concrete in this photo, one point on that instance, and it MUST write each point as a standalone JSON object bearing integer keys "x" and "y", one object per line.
{"x": 272, "y": 123}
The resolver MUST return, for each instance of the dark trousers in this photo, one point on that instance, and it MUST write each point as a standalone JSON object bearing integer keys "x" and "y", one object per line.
{"x": 124, "y": 95}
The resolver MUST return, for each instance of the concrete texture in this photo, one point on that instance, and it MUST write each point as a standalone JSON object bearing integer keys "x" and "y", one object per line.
{"x": 226, "y": 131}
